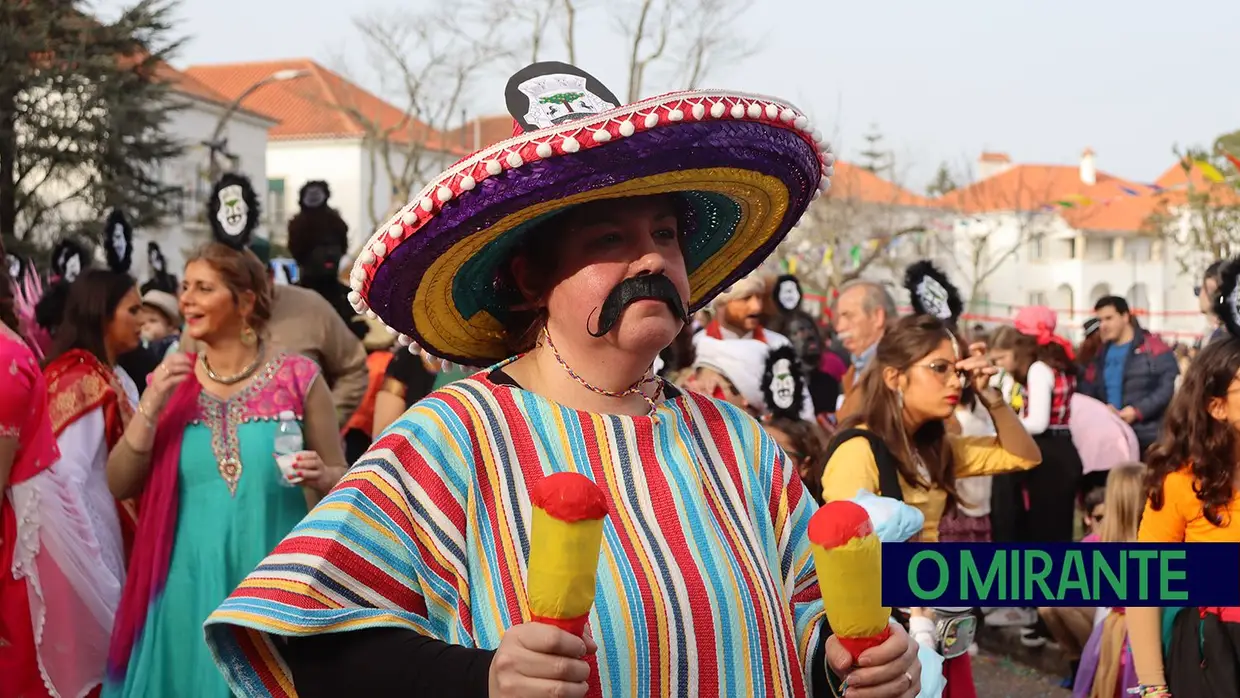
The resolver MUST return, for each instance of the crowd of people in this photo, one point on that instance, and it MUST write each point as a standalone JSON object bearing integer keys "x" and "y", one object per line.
{"x": 310, "y": 472}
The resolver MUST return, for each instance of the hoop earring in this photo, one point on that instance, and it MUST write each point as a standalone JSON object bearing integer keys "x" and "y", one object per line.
{"x": 900, "y": 399}
{"x": 248, "y": 336}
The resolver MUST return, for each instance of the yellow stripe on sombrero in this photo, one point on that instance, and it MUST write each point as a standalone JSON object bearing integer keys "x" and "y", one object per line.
{"x": 763, "y": 200}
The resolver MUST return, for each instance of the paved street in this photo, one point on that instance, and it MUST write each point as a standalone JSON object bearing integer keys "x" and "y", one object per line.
{"x": 1000, "y": 677}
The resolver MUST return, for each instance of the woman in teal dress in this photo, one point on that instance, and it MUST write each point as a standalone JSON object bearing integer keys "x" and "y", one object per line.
{"x": 201, "y": 455}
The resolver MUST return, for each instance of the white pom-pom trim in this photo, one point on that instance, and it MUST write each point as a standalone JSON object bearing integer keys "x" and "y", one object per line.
{"x": 571, "y": 145}
{"x": 544, "y": 150}
{"x": 409, "y": 217}
{"x": 355, "y": 299}
{"x": 371, "y": 314}
{"x": 772, "y": 111}
{"x": 738, "y": 111}
{"x": 367, "y": 257}
{"x": 755, "y": 110}
{"x": 676, "y": 115}
{"x": 800, "y": 123}
{"x": 514, "y": 160}
{"x": 379, "y": 249}
{"x": 426, "y": 204}
{"x": 787, "y": 115}
{"x": 602, "y": 135}
{"x": 493, "y": 167}
{"x": 717, "y": 109}
{"x": 699, "y": 111}
{"x": 404, "y": 340}
{"x": 395, "y": 230}
{"x": 468, "y": 183}
{"x": 627, "y": 129}
{"x": 444, "y": 194}
{"x": 652, "y": 120}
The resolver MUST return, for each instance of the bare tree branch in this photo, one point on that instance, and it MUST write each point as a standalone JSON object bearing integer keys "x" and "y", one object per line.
{"x": 570, "y": 30}
{"x": 427, "y": 63}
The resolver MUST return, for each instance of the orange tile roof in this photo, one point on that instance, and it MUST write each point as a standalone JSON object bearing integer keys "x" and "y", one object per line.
{"x": 1179, "y": 182}
{"x": 321, "y": 104}
{"x": 1029, "y": 187}
{"x": 1108, "y": 205}
{"x": 1124, "y": 213}
{"x": 481, "y": 133}
{"x": 188, "y": 85}
{"x": 855, "y": 183}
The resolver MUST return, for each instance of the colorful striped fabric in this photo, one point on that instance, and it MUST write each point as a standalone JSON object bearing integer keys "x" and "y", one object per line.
{"x": 706, "y": 586}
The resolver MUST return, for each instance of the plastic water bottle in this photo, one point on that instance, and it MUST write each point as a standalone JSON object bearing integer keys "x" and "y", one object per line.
{"x": 289, "y": 441}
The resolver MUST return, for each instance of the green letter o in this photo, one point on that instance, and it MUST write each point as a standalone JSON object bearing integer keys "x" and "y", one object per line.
{"x": 944, "y": 577}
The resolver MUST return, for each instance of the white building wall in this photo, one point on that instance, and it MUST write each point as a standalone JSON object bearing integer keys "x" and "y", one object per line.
{"x": 1068, "y": 272}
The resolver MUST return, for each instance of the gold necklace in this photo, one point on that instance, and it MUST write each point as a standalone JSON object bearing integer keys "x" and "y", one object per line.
{"x": 236, "y": 378}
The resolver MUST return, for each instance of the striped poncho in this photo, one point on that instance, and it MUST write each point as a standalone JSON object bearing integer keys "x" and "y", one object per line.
{"x": 705, "y": 583}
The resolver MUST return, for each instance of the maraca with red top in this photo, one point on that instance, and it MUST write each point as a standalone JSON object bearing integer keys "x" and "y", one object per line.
{"x": 565, "y": 540}
{"x": 848, "y": 560}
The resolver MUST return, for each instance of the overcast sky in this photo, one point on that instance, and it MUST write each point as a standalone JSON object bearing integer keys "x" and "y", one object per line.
{"x": 1039, "y": 79}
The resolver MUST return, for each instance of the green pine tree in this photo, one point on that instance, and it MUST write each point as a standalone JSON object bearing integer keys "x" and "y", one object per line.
{"x": 942, "y": 182}
{"x": 874, "y": 158}
{"x": 83, "y": 114}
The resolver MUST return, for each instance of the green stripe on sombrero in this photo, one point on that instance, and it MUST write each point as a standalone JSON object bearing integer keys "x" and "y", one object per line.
{"x": 473, "y": 288}
{"x": 760, "y": 201}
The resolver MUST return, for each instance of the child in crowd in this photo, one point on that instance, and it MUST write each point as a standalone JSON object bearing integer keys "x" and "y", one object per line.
{"x": 1105, "y": 659}
{"x": 1094, "y": 514}
{"x": 805, "y": 444}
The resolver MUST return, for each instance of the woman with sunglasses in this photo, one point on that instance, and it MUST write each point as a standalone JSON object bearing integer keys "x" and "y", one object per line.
{"x": 898, "y": 444}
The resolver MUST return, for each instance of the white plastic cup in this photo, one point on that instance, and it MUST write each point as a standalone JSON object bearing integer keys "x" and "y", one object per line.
{"x": 286, "y": 462}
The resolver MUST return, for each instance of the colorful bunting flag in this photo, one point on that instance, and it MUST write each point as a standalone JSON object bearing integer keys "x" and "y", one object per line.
{"x": 1235, "y": 161}
{"x": 1209, "y": 171}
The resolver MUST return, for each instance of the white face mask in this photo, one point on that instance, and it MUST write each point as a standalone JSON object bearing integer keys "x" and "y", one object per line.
{"x": 783, "y": 386}
{"x": 789, "y": 297}
{"x": 119, "y": 245}
{"x": 233, "y": 211}
{"x": 73, "y": 267}
{"x": 934, "y": 298}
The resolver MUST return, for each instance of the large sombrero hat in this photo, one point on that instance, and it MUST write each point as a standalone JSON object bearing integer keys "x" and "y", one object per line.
{"x": 744, "y": 169}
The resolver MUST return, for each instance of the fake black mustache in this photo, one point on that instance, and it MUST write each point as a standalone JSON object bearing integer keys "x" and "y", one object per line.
{"x": 635, "y": 288}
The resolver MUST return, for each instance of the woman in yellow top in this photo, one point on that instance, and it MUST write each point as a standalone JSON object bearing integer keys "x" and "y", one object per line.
{"x": 1193, "y": 499}
{"x": 914, "y": 385}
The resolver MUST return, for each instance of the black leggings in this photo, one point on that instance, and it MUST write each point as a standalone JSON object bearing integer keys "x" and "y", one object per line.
{"x": 1050, "y": 516}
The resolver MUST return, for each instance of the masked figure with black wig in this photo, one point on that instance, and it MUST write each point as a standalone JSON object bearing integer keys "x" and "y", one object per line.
{"x": 318, "y": 238}
{"x": 567, "y": 257}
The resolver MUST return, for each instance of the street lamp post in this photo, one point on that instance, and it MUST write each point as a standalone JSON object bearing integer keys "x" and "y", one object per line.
{"x": 217, "y": 143}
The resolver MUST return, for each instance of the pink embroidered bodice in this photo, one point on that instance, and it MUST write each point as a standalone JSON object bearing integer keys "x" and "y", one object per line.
{"x": 23, "y": 410}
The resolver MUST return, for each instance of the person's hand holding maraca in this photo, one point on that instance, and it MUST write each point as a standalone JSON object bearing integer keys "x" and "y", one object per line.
{"x": 537, "y": 659}
{"x": 546, "y": 657}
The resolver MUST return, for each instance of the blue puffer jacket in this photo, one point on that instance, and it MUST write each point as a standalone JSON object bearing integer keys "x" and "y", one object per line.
{"x": 1149, "y": 382}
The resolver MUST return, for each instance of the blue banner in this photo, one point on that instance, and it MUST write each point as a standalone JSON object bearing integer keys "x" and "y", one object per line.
{"x": 1061, "y": 574}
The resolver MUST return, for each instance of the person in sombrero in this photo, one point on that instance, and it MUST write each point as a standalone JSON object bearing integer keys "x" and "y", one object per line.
{"x": 580, "y": 247}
